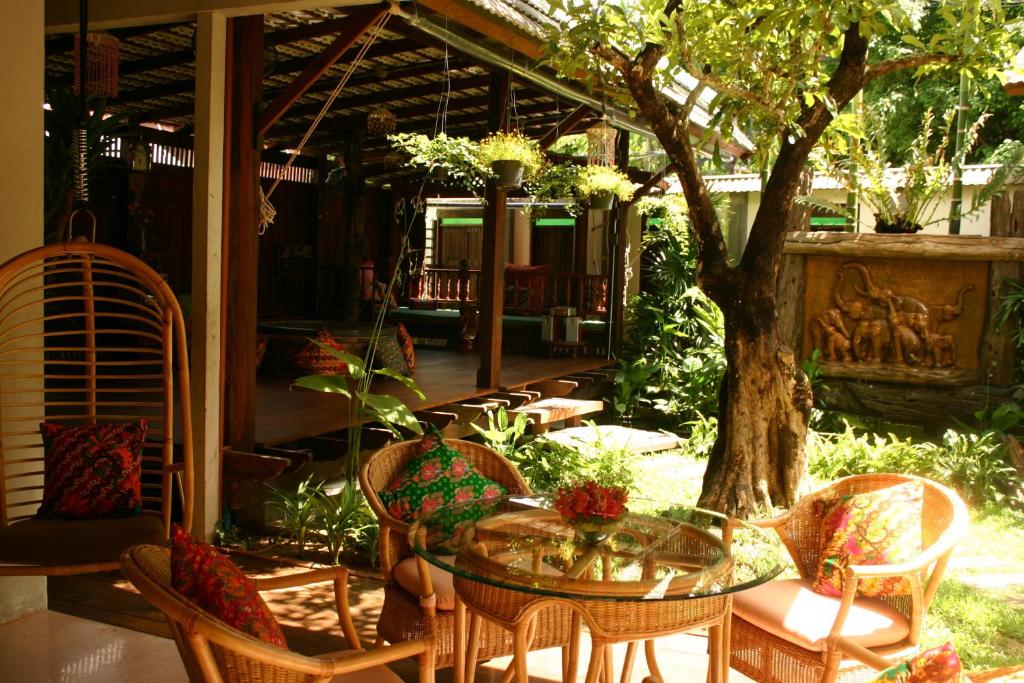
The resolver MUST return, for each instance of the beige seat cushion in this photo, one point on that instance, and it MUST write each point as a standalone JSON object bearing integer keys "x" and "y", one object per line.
{"x": 792, "y": 611}
{"x": 376, "y": 674}
{"x": 408, "y": 577}
{"x": 51, "y": 542}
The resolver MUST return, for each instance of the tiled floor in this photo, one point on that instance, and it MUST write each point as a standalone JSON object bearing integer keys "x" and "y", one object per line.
{"x": 50, "y": 647}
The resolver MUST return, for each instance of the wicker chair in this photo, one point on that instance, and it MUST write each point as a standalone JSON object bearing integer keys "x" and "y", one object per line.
{"x": 214, "y": 652}
{"x": 88, "y": 334}
{"x": 852, "y": 629}
{"x": 408, "y": 614}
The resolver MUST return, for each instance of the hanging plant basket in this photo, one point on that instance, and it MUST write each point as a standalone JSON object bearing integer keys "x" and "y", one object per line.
{"x": 509, "y": 173}
{"x": 602, "y": 201}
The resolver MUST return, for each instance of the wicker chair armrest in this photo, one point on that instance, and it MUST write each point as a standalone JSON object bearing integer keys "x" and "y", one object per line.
{"x": 423, "y": 648}
{"x": 269, "y": 583}
{"x": 768, "y": 523}
{"x": 339, "y": 575}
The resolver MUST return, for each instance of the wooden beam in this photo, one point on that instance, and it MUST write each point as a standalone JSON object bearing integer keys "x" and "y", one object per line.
{"x": 617, "y": 283}
{"x": 492, "y": 290}
{"x": 497, "y": 108}
{"x": 241, "y": 225}
{"x": 486, "y": 24}
{"x": 565, "y": 126}
{"x": 207, "y": 266}
{"x": 361, "y": 21}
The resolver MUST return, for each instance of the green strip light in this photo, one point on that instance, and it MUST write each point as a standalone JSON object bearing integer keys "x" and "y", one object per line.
{"x": 828, "y": 220}
{"x": 554, "y": 222}
{"x": 462, "y": 221}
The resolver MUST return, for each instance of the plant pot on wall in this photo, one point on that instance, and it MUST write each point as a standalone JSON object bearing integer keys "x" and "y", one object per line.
{"x": 602, "y": 201}
{"x": 509, "y": 173}
{"x": 898, "y": 226}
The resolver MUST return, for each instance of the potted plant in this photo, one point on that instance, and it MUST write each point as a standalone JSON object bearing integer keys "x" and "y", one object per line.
{"x": 446, "y": 159}
{"x": 593, "y": 510}
{"x": 907, "y": 201}
{"x": 601, "y": 184}
{"x": 512, "y": 157}
{"x": 555, "y": 182}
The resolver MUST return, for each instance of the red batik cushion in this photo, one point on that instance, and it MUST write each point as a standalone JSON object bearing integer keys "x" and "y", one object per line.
{"x": 938, "y": 665}
{"x": 876, "y": 527}
{"x": 216, "y": 585}
{"x": 92, "y": 471}
{"x": 405, "y": 341}
{"x": 315, "y": 360}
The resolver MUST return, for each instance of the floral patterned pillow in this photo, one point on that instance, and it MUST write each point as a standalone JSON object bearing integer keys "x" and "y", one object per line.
{"x": 316, "y": 361}
{"x": 408, "y": 351}
{"x": 92, "y": 471}
{"x": 437, "y": 477}
{"x": 939, "y": 665}
{"x": 875, "y": 527}
{"x": 216, "y": 585}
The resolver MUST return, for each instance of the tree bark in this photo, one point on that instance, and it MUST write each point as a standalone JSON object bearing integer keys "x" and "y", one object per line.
{"x": 758, "y": 458}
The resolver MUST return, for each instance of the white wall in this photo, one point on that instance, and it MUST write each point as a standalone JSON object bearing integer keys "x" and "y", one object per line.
{"x": 21, "y": 192}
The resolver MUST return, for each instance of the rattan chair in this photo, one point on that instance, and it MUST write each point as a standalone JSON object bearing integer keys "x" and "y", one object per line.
{"x": 214, "y": 652}
{"x": 853, "y": 629}
{"x": 88, "y": 334}
{"x": 409, "y": 614}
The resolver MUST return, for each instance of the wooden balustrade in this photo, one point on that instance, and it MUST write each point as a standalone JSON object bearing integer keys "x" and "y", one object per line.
{"x": 525, "y": 293}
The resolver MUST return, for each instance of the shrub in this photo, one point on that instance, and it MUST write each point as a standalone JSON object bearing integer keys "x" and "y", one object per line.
{"x": 297, "y": 510}
{"x": 345, "y": 522}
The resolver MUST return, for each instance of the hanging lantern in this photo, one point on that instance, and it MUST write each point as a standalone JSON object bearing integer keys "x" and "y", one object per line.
{"x": 101, "y": 65}
{"x": 601, "y": 144}
{"x": 380, "y": 121}
{"x": 393, "y": 159}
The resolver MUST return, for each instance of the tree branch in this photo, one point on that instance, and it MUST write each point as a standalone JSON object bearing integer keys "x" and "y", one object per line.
{"x": 907, "y": 62}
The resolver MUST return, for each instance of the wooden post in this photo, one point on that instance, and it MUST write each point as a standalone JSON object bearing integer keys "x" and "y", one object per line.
{"x": 207, "y": 257}
{"x": 492, "y": 267}
{"x": 492, "y": 291}
{"x": 241, "y": 223}
{"x": 581, "y": 244}
{"x": 618, "y": 225}
{"x": 355, "y": 219}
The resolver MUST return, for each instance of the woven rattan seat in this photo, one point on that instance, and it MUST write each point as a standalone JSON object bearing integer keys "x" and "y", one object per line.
{"x": 405, "y": 615}
{"x": 768, "y": 654}
{"x": 214, "y": 652}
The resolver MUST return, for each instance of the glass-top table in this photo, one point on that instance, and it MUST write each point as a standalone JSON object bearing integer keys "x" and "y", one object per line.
{"x": 514, "y": 556}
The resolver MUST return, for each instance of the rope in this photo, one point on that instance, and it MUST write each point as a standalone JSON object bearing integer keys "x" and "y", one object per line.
{"x": 267, "y": 211}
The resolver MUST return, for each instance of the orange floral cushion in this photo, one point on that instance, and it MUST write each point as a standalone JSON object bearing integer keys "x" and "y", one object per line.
{"x": 405, "y": 341}
{"x": 216, "y": 585}
{"x": 939, "y": 665}
{"x": 871, "y": 528}
{"x": 316, "y": 361}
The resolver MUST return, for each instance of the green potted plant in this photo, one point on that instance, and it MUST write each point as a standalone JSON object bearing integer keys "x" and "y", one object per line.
{"x": 601, "y": 184}
{"x": 447, "y": 159}
{"x": 909, "y": 203}
{"x": 553, "y": 183}
{"x": 512, "y": 157}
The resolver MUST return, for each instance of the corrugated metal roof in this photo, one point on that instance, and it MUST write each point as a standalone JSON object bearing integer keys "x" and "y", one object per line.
{"x": 974, "y": 175}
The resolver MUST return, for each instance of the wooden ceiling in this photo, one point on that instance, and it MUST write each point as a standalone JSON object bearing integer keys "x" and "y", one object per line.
{"x": 405, "y": 70}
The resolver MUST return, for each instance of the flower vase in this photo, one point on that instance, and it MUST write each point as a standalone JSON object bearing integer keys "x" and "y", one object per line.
{"x": 594, "y": 530}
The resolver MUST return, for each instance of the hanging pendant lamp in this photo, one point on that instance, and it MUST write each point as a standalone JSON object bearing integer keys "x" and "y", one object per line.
{"x": 380, "y": 121}
{"x": 101, "y": 62}
{"x": 601, "y": 144}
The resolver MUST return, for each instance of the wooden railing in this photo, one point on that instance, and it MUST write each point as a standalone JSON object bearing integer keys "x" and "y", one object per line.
{"x": 525, "y": 293}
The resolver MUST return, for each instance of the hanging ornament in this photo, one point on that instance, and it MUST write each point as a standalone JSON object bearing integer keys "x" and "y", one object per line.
{"x": 393, "y": 159}
{"x": 601, "y": 144}
{"x": 380, "y": 121}
{"x": 101, "y": 65}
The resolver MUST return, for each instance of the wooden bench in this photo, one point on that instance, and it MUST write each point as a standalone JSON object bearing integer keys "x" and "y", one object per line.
{"x": 550, "y": 410}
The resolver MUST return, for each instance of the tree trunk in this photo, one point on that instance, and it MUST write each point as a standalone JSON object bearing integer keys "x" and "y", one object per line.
{"x": 758, "y": 460}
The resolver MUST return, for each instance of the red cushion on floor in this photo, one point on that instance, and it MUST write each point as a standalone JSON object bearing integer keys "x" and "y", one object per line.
{"x": 792, "y": 611}
{"x": 216, "y": 585}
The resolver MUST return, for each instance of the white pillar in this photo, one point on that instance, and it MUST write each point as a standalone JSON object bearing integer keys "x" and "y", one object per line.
{"x": 21, "y": 193}
{"x": 207, "y": 254}
{"x": 521, "y": 237}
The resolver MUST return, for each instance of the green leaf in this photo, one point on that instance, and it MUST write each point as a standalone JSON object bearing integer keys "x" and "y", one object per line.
{"x": 399, "y": 377}
{"x": 390, "y": 411}
{"x": 331, "y": 384}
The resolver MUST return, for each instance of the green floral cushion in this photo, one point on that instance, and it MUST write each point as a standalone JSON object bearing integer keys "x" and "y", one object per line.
{"x": 876, "y": 527}
{"x": 437, "y": 477}
{"x": 939, "y": 665}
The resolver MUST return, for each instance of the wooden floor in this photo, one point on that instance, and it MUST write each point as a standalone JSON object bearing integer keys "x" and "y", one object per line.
{"x": 285, "y": 413}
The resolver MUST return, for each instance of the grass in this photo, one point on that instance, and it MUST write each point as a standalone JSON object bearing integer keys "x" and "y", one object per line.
{"x": 979, "y": 606}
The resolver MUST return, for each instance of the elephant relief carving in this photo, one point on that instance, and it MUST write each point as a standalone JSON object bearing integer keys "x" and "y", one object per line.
{"x": 872, "y": 323}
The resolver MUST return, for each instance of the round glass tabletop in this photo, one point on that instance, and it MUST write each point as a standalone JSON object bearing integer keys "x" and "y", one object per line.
{"x": 522, "y": 543}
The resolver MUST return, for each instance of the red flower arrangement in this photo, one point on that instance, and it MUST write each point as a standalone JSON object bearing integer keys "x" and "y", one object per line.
{"x": 588, "y": 501}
